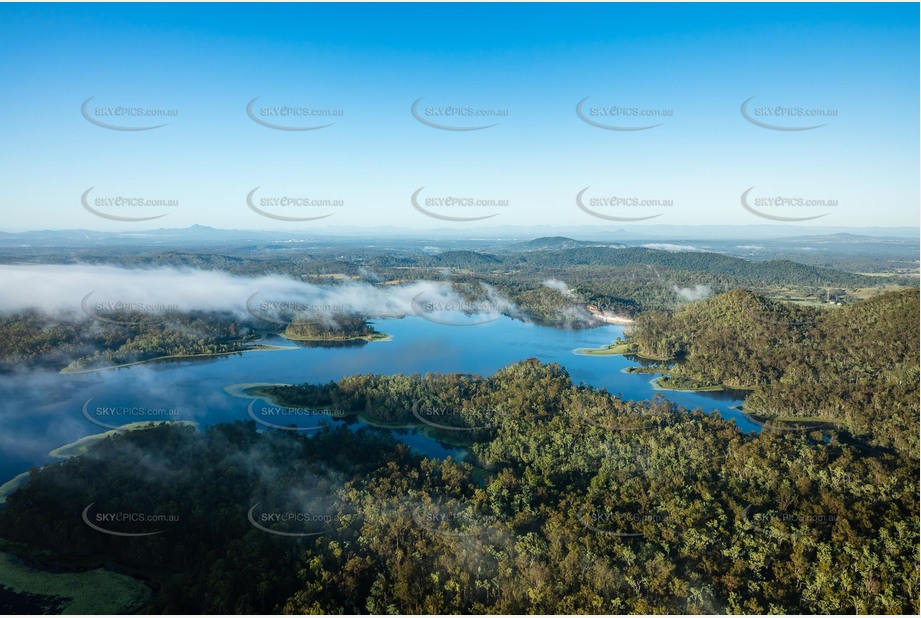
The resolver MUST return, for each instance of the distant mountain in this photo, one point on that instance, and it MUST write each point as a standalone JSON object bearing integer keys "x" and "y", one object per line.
{"x": 196, "y": 235}
{"x": 843, "y": 238}
{"x": 590, "y": 234}
{"x": 560, "y": 242}
{"x": 460, "y": 259}
{"x": 854, "y": 366}
{"x": 772, "y": 272}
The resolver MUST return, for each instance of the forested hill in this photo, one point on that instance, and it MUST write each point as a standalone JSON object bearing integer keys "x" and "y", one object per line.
{"x": 550, "y": 255}
{"x": 586, "y": 504}
{"x": 856, "y": 366}
{"x": 773, "y": 272}
{"x": 711, "y": 265}
{"x": 560, "y": 242}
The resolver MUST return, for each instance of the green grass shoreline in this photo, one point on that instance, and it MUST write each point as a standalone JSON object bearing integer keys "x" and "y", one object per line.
{"x": 369, "y": 338}
{"x": 259, "y": 348}
{"x": 619, "y": 349}
{"x": 666, "y": 383}
{"x": 93, "y": 591}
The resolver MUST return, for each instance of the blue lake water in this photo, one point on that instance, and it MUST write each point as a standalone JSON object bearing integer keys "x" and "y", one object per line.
{"x": 42, "y": 410}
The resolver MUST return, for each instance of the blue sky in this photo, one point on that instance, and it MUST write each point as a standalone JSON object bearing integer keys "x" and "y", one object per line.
{"x": 695, "y": 63}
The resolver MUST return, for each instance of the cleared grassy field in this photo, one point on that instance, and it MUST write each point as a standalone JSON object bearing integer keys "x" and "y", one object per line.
{"x": 98, "y": 591}
{"x": 611, "y": 350}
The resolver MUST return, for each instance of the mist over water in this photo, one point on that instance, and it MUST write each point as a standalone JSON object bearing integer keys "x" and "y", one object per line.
{"x": 63, "y": 290}
{"x": 44, "y": 409}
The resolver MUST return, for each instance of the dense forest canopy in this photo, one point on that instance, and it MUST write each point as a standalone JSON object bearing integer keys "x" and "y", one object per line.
{"x": 568, "y": 500}
{"x": 80, "y": 342}
{"x": 856, "y": 366}
{"x": 575, "y": 502}
{"x": 332, "y": 328}
{"x": 550, "y": 287}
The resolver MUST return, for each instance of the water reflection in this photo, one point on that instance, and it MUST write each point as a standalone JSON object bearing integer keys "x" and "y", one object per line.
{"x": 42, "y": 409}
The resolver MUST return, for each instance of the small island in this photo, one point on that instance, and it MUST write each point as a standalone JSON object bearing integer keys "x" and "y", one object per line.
{"x": 683, "y": 383}
{"x": 618, "y": 348}
{"x": 337, "y": 328}
{"x": 621, "y": 347}
{"x": 667, "y": 381}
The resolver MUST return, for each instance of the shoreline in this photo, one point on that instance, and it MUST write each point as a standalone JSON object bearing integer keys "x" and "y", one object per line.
{"x": 239, "y": 389}
{"x": 609, "y": 318}
{"x": 80, "y": 446}
{"x": 369, "y": 338}
{"x": 716, "y": 388}
{"x": 7, "y": 488}
{"x": 761, "y": 421}
{"x": 619, "y": 349}
{"x": 265, "y": 348}
{"x": 613, "y": 349}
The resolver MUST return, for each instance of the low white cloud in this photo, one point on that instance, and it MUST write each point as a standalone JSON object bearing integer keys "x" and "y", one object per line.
{"x": 68, "y": 289}
{"x": 556, "y": 284}
{"x": 698, "y": 292}
{"x": 670, "y": 247}
{"x": 368, "y": 275}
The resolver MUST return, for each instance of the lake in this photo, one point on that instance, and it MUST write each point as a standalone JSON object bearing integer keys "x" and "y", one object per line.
{"x": 42, "y": 409}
